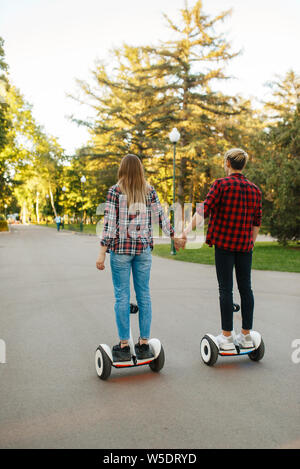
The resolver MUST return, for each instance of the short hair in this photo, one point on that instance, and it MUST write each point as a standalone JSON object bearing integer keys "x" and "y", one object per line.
{"x": 237, "y": 158}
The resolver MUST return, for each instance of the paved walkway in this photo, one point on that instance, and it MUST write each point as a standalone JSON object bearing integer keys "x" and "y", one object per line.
{"x": 55, "y": 308}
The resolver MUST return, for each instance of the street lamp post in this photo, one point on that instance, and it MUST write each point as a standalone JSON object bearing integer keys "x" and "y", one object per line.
{"x": 82, "y": 180}
{"x": 174, "y": 137}
{"x": 5, "y": 206}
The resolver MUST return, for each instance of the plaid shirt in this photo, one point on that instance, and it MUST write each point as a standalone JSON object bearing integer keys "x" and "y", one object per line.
{"x": 234, "y": 206}
{"x": 131, "y": 231}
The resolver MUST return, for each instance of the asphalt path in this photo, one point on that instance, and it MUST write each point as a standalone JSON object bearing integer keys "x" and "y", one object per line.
{"x": 55, "y": 308}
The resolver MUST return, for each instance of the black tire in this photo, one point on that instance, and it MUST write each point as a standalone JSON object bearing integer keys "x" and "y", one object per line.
{"x": 258, "y": 354}
{"x": 157, "y": 364}
{"x": 209, "y": 351}
{"x": 102, "y": 363}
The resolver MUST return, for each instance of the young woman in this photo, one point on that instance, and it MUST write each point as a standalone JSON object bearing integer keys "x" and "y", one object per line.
{"x": 132, "y": 206}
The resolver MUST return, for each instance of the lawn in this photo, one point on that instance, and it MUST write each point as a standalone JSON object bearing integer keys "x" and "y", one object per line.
{"x": 266, "y": 256}
{"x": 90, "y": 229}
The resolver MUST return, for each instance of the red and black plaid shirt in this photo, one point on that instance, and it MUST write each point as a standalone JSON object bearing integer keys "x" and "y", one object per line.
{"x": 130, "y": 231}
{"x": 233, "y": 205}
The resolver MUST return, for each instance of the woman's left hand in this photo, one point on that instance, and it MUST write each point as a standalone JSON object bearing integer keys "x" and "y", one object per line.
{"x": 100, "y": 262}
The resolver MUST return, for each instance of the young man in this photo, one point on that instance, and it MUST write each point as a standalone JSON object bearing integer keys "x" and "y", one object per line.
{"x": 233, "y": 205}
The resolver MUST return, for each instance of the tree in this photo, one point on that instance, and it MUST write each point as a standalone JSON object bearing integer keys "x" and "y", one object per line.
{"x": 285, "y": 96}
{"x": 277, "y": 165}
{"x": 190, "y": 64}
{"x": 31, "y": 158}
{"x": 283, "y": 179}
{"x": 5, "y": 125}
{"x": 151, "y": 89}
{"x": 130, "y": 116}
{"x": 4, "y": 121}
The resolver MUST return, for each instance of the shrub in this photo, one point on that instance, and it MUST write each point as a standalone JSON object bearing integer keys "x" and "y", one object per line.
{"x": 3, "y": 225}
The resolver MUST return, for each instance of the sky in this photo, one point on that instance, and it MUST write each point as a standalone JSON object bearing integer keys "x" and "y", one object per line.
{"x": 50, "y": 43}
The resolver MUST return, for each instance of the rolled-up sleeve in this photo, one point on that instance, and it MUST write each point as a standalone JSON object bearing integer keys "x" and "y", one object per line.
{"x": 110, "y": 218}
{"x": 213, "y": 197}
{"x": 258, "y": 211}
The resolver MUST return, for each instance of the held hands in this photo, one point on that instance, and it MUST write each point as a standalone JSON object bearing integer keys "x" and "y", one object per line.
{"x": 180, "y": 242}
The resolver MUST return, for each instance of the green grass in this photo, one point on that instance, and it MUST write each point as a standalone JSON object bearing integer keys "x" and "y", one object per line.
{"x": 91, "y": 229}
{"x": 266, "y": 256}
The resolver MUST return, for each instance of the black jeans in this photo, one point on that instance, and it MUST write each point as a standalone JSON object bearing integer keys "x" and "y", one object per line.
{"x": 225, "y": 261}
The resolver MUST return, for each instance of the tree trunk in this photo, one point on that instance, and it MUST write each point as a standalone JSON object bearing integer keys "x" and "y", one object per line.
{"x": 191, "y": 198}
{"x": 181, "y": 180}
{"x": 52, "y": 201}
{"x": 37, "y": 210}
{"x": 184, "y": 142}
{"x": 24, "y": 213}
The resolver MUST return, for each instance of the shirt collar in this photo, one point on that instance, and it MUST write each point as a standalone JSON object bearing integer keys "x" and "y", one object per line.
{"x": 238, "y": 175}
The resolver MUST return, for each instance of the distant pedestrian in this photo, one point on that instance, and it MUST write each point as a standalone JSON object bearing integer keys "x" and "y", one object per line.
{"x": 58, "y": 222}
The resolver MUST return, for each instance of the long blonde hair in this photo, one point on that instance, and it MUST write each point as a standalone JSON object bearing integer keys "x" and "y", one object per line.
{"x": 132, "y": 181}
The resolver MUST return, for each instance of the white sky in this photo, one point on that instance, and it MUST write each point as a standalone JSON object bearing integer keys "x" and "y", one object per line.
{"x": 49, "y": 43}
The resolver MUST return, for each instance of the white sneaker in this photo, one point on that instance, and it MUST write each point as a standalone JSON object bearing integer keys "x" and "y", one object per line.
{"x": 225, "y": 343}
{"x": 245, "y": 341}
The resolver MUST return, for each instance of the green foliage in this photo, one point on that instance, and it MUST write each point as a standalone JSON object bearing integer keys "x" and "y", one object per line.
{"x": 277, "y": 168}
{"x": 150, "y": 90}
{"x": 285, "y": 95}
{"x": 5, "y": 124}
{"x": 29, "y": 162}
{"x": 137, "y": 99}
{"x": 190, "y": 63}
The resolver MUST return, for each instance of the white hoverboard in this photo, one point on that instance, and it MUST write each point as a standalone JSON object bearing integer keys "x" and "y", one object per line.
{"x": 210, "y": 350}
{"x": 104, "y": 357}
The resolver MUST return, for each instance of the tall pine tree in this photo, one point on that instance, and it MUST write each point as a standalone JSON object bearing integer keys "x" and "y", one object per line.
{"x": 190, "y": 64}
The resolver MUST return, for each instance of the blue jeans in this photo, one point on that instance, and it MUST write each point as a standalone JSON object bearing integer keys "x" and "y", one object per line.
{"x": 121, "y": 266}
